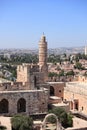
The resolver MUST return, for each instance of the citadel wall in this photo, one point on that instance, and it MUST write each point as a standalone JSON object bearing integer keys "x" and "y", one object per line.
{"x": 57, "y": 88}
{"x": 30, "y": 74}
{"x": 28, "y": 94}
{"x": 14, "y": 86}
{"x": 35, "y": 101}
{"x": 77, "y": 94}
{"x": 24, "y": 72}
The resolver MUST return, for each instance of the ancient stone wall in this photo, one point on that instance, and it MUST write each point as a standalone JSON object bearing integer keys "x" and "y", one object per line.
{"x": 23, "y": 72}
{"x": 14, "y": 86}
{"x": 30, "y": 74}
{"x": 78, "y": 92}
{"x": 58, "y": 88}
{"x": 36, "y": 101}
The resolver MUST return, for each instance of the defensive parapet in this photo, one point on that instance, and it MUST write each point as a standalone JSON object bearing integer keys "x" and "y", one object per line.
{"x": 24, "y": 72}
{"x": 30, "y": 73}
{"x": 14, "y": 86}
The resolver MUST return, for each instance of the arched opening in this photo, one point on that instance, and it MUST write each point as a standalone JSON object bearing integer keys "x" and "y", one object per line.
{"x": 58, "y": 125}
{"x": 21, "y": 105}
{"x": 4, "y": 106}
{"x": 51, "y": 91}
{"x": 76, "y": 105}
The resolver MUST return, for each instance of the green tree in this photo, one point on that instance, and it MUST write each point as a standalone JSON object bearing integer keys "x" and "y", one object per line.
{"x": 64, "y": 118}
{"x": 52, "y": 74}
{"x": 54, "y": 58}
{"x": 70, "y": 73}
{"x": 78, "y": 65}
{"x": 61, "y": 73}
{"x": 20, "y": 122}
{"x": 51, "y": 119}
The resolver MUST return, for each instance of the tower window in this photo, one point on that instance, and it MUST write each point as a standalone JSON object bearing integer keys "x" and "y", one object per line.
{"x": 59, "y": 91}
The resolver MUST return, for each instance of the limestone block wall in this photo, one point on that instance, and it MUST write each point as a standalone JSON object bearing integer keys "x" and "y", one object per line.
{"x": 36, "y": 101}
{"x": 61, "y": 105}
{"x": 14, "y": 86}
{"x": 77, "y": 92}
{"x": 55, "y": 101}
{"x": 58, "y": 88}
{"x": 34, "y": 68}
{"x": 30, "y": 73}
{"x": 36, "y": 79}
{"x": 23, "y": 73}
{"x": 5, "y": 86}
{"x": 39, "y": 77}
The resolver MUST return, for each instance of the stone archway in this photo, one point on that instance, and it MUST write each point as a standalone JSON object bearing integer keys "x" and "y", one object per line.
{"x": 58, "y": 125}
{"x": 4, "y": 106}
{"x": 21, "y": 105}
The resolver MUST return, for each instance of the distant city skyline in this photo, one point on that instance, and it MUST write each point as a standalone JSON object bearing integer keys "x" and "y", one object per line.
{"x": 22, "y": 22}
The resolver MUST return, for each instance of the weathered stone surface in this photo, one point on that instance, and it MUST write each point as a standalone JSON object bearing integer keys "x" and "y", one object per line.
{"x": 36, "y": 101}
{"x": 77, "y": 91}
{"x": 27, "y": 95}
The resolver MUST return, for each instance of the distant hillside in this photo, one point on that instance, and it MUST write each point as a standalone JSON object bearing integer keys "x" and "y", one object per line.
{"x": 60, "y": 50}
{"x": 67, "y": 50}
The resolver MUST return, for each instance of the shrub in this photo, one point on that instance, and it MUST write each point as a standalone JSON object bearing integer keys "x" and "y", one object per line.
{"x": 64, "y": 118}
{"x": 20, "y": 122}
{"x": 51, "y": 119}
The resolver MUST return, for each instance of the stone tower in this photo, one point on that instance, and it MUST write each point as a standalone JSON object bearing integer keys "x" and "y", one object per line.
{"x": 23, "y": 73}
{"x": 43, "y": 57}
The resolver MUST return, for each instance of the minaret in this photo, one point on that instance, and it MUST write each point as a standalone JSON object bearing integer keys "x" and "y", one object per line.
{"x": 43, "y": 57}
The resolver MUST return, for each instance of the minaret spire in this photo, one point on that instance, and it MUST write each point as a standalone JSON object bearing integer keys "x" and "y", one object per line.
{"x": 43, "y": 55}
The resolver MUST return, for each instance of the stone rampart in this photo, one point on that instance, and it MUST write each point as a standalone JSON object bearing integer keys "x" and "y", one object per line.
{"x": 58, "y": 88}
{"x": 36, "y": 101}
{"x": 76, "y": 87}
{"x": 14, "y": 86}
{"x": 77, "y": 91}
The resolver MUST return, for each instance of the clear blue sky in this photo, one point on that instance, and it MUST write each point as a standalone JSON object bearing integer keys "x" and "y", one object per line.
{"x": 22, "y": 22}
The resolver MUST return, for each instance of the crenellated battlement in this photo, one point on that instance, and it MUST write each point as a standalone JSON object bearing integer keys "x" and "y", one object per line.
{"x": 28, "y": 95}
{"x": 30, "y": 67}
{"x": 25, "y": 71}
{"x": 14, "y": 86}
{"x": 28, "y": 78}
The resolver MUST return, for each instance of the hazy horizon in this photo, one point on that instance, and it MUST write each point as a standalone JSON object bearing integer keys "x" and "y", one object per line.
{"x": 38, "y": 48}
